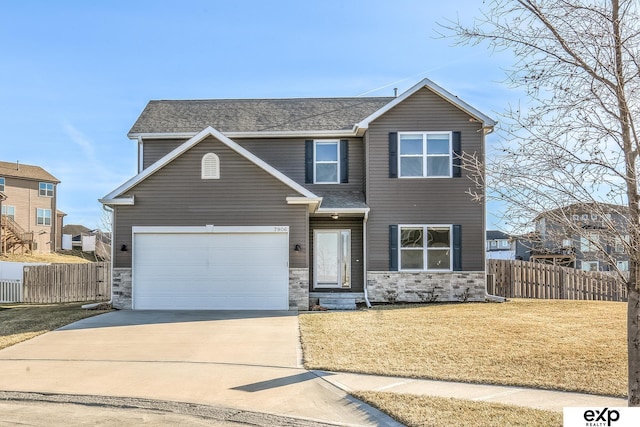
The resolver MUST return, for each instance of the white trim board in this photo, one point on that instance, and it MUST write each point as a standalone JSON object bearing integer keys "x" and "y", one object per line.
{"x": 177, "y": 152}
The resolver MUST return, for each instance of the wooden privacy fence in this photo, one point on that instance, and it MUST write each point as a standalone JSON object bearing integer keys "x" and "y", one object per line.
{"x": 67, "y": 282}
{"x": 523, "y": 279}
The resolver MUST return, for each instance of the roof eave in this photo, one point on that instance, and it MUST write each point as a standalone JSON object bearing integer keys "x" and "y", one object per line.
{"x": 270, "y": 134}
{"x": 118, "y": 201}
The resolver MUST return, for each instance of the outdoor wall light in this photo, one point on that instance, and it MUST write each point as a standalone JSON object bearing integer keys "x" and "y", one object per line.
{"x": 123, "y": 248}
{"x": 334, "y": 216}
{"x": 297, "y": 247}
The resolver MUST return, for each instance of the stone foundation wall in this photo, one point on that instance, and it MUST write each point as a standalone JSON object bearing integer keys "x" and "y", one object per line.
{"x": 299, "y": 289}
{"x": 121, "y": 288}
{"x": 392, "y": 286}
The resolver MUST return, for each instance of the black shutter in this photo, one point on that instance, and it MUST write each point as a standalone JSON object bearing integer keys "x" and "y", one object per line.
{"x": 457, "y": 248}
{"x": 456, "y": 145}
{"x": 393, "y": 248}
{"x": 393, "y": 154}
{"x": 308, "y": 161}
{"x": 344, "y": 161}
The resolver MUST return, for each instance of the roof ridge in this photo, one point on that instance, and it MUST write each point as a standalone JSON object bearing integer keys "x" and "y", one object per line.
{"x": 377, "y": 98}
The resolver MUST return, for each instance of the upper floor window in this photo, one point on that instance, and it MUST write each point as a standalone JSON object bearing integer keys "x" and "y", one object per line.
{"x": 326, "y": 161}
{"x": 1, "y": 184}
{"x": 590, "y": 242}
{"x": 426, "y": 154}
{"x": 576, "y": 217}
{"x": 9, "y": 211}
{"x": 210, "y": 166}
{"x": 326, "y": 164}
{"x": 43, "y": 216}
{"x": 46, "y": 189}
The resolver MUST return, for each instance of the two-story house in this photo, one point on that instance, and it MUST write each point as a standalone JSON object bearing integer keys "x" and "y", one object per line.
{"x": 500, "y": 245}
{"x": 287, "y": 203}
{"x": 587, "y": 236}
{"x": 30, "y": 220}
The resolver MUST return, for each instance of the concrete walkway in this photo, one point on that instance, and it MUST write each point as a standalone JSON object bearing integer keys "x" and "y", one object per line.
{"x": 533, "y": 398}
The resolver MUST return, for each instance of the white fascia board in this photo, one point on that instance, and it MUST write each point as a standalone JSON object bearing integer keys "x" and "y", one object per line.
{"x": 343, "y": 210}
{"x": 487, "y": 122}
{"x": 209, "y": 229}
{"x": 122, "y": 201}
{"x": 303, "y": 200}
{"x": 341, "y": 133}
{"x": 209, "y": 131}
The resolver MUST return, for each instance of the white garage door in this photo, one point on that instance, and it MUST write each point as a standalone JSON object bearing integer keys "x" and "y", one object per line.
{"x": 239, "y": 268}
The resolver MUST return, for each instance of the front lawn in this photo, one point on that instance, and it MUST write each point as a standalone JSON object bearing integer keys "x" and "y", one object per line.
{"x": 426, "y": 411}
{"x": 551, "y": 344}
{"x": 20, "y": 322}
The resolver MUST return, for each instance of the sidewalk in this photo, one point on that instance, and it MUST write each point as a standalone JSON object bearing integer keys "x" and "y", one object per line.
{"x": 533, "y": 398}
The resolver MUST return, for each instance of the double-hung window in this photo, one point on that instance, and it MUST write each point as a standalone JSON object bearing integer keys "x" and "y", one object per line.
{"x": 46, "y": 189}
{"x": 425, "y": 247}
{"x": 1, "y": 184}
{"x": 424, "y": 154}
{"x": 43, "y": 216}
{"x": 326, "y": 162}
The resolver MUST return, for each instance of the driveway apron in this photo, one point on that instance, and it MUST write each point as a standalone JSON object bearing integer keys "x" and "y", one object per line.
{"x": 244, "y": 360}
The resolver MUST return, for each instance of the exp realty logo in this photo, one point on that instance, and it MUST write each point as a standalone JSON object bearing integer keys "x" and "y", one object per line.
{"x": 601, "y": 417}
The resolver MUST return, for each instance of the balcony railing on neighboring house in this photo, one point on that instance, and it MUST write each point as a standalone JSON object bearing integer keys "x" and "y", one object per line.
{"x": 14, "y": 237}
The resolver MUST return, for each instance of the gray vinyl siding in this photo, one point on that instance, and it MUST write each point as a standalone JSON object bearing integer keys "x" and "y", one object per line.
{"x": 245, "y": 195}
{"x": 154, "y": 149}
{"x": 423, "y": 200}
{"x": 287, "y": 155}
{"x": 353, "y": 224}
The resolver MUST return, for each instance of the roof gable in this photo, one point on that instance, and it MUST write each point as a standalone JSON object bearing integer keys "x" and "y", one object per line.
{"x": 486, "y": 121}
{"x": 115, "y": 196}
{"x": 34, "y": 173}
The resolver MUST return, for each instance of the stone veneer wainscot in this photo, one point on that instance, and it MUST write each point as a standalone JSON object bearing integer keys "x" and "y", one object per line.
{"x": 421, "y": 286}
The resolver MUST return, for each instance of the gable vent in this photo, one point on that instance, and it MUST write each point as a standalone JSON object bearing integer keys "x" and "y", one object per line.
{"x": 210, "y": 166}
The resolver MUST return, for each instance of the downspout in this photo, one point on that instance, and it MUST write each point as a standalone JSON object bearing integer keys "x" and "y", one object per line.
{"x": 364, "y": 256}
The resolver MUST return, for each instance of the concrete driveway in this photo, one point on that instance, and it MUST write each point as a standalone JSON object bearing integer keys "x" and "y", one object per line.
{"x": 244, "y": 360}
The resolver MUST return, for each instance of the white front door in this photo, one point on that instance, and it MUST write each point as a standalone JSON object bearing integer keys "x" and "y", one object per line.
{"x": 332, "y": 258}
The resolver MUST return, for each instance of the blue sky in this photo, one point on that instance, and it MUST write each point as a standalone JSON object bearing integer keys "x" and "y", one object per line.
{"x": 75, "y": 75}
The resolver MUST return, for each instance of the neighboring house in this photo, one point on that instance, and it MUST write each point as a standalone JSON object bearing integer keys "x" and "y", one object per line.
{"x": 500, "y": 245}
{"x": 76, "y": 231}
{"x": 88, "y": 240}
{"x": 587, "y": 236}
{"x": 30, "y": 220}
{"x": 286, "y": 203}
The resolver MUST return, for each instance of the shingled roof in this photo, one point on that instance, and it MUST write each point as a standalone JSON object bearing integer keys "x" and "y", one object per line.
{"x": 256, "y": 115}
{"x": 18, "y": 170}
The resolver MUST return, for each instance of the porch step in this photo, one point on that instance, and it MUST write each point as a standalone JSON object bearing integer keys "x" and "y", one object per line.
{"x": 338, "y": 303}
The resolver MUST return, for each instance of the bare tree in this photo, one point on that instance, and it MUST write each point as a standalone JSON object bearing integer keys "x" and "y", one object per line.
{"x": 103, "y": 237}
{"x": 572, "y": 146}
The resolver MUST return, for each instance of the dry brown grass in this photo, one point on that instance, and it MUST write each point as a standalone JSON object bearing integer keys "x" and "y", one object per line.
{"x": 550, "y": 344}
{"x": 38, "y": 257}
{"x": 419, "y": 411}
{"x": 20, "y": 322}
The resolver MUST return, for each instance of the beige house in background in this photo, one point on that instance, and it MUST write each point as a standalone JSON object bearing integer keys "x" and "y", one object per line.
{"x": 30, "y": 219}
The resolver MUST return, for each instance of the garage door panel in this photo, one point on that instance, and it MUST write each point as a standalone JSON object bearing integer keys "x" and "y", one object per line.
{"x": 211, "y": 271}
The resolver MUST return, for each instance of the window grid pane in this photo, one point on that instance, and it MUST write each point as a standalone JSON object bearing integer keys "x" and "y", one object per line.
{"x": 425, "y": 155}
{"x": 432, "y": 253}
